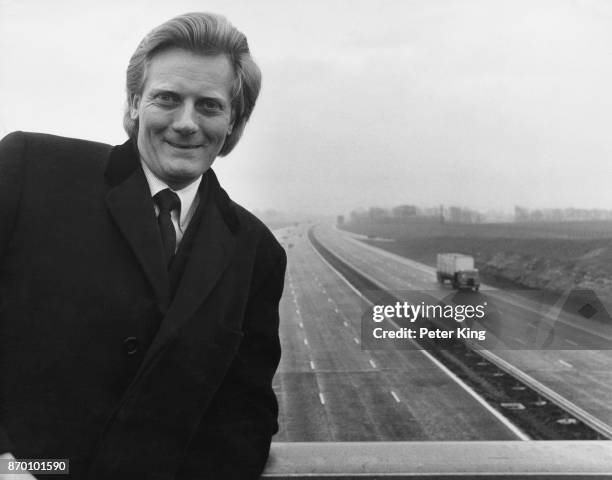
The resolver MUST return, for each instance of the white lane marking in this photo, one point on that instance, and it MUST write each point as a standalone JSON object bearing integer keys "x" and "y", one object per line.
{"x": 305, "y": 342}
{"x": 571, "y": 342}
{"x": 321, "y": 398}
{"x": 336, "y": 310}
{"x": 519, "y": 340}
{"x": 342, "y": 277}
{"x": 567, "y": 364}
{"x": 345, "y": 323}
{"x": 297, "y": 310}
{"x": 395, "y": 396}
{"x": 330, "y": 300}
{"x": 356, "y": 340}
{"x": 372, "y": 363}
{"x": 301, "y": 325}
{"x": 312, "y": 365}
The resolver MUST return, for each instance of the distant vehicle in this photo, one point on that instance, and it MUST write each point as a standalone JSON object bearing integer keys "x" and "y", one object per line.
{"x": 459, "y": 269}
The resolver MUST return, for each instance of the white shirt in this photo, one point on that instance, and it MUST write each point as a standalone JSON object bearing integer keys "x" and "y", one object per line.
{"x": 188, "y": 196}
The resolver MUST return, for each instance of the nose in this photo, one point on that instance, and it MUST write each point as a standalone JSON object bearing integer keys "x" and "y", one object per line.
{"x": 184, "y": 120}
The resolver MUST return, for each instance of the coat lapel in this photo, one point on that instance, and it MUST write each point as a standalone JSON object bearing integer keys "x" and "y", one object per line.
{"x": 130, "y": 204}
{"x": 131, "y": 207}
{"x": 210, "y": 255}
{"x": 159, "y": 377}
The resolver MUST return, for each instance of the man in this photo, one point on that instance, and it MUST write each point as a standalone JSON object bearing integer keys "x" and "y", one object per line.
{"x": 138, "y": 303}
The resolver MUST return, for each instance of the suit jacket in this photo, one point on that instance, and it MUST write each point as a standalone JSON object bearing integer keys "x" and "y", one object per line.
{"x": 98, "y": 363}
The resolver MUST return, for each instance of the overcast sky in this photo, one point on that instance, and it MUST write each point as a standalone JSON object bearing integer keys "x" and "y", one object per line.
{"x": 484, "y": 103}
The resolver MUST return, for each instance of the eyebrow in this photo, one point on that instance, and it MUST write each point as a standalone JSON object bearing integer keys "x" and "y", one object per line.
{"x": 161, "y": 89}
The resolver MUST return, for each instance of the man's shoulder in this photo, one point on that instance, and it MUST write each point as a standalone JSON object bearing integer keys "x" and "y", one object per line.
{"x": 250, "y": 223}
{"x": 253, "y": 228}
{"x": 238, "y": 218}
{"x": 45, "y": 157}
{"x": 54, "y": 143}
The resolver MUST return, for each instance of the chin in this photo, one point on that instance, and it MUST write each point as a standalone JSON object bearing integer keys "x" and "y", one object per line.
{"x": 182, "y": 178}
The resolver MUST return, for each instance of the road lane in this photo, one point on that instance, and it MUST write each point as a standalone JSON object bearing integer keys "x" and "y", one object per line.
{"x": 329, "y": 389}
{"x": 584, "y": 377}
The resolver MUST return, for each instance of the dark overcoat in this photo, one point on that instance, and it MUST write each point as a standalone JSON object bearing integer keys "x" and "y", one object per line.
{"x": 101, "y": 361}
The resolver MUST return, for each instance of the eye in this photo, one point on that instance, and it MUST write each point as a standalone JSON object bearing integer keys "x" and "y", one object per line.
{"x": 166, "y": 98}
{"x": 210, "y": 105}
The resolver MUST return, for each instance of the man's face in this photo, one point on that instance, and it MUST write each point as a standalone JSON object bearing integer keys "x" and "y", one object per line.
{"x": 184, "y": 114}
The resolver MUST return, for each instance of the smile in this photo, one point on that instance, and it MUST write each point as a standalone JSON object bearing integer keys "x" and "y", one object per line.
{"x": 183, "y": 146}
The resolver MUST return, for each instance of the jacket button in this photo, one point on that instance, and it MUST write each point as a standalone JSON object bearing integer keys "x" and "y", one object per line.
{"x": 131, "y": 345}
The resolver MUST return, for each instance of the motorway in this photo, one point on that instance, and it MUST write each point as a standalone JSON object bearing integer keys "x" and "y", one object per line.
{"x": 556, "y": 350}
{"x": 330, "y": 389}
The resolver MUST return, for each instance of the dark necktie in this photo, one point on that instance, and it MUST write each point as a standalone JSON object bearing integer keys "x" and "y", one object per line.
{"x": 166, "y": 200}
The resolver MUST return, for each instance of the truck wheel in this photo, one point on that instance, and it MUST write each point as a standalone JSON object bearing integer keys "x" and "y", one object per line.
{"x": 476, "y": 288}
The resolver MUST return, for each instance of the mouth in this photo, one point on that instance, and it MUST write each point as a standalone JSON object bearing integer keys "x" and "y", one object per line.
{"x": 184, "y": 146}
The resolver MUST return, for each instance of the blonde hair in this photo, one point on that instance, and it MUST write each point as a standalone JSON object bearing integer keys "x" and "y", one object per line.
{"x": 206, "y": 34}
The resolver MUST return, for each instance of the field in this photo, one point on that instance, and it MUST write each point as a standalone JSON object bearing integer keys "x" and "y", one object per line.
{"x": 554, "y": 256}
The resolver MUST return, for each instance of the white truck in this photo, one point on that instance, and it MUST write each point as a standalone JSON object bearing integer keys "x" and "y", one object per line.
{"x": 459, "y": 269}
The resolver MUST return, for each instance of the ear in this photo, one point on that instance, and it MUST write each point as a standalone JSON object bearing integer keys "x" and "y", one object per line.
{"x": 134, "y": 107}
{"x": 230, "y": 129}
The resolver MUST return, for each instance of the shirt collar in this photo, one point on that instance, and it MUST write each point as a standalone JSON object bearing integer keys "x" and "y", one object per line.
{"x": 186, "y": 195}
